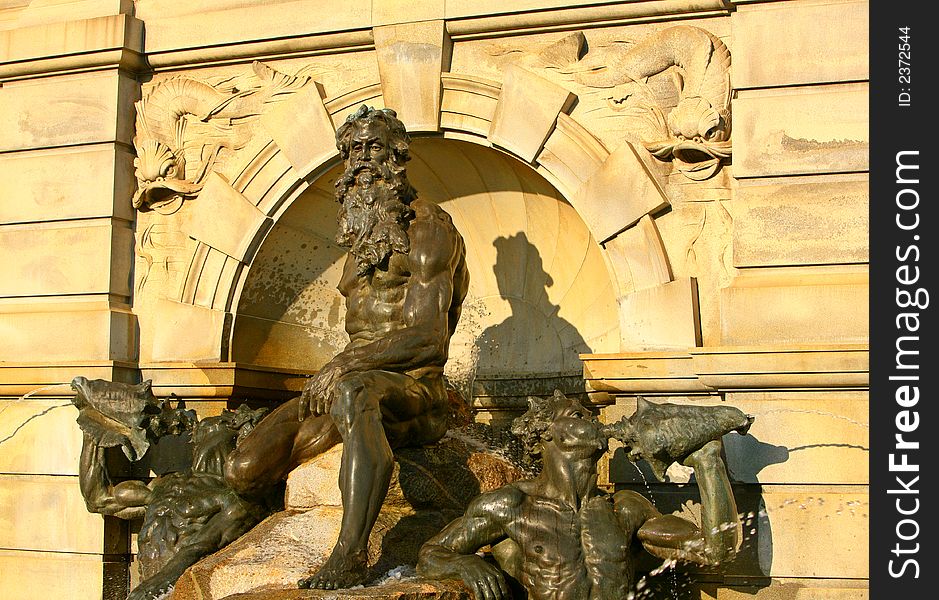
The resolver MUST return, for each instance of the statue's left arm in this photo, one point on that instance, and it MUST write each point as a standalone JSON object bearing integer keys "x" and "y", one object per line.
{"x": 672, "y": 537}
{"x": 719, "y": 519}
{"x": 125, "y": 500}
{"x": 437, "y": 266}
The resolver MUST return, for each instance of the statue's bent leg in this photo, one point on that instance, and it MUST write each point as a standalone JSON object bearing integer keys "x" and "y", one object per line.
{"x": 277, "y": 445}
{"x": 362, "y": 404}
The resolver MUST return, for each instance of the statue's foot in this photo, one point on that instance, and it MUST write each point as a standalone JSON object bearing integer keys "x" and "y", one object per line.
{"x": 341, "y": 570}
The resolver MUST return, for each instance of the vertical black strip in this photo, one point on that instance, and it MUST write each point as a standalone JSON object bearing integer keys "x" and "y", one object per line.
{"x": 904, "y": 225}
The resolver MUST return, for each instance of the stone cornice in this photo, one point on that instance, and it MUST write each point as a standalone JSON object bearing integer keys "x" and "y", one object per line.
{"x": 51, "y": 379}
{"x": 72, "y": 46}
{"x": 223, "y": 380}
{"x": 564, "y": 16}
{"x": 710, "y": 370}
{"x": 243, "y": 31}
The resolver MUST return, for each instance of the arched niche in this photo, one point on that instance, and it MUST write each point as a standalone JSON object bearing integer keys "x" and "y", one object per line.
{"x": 238, "y": 219}
{"x": 540, "y": 291}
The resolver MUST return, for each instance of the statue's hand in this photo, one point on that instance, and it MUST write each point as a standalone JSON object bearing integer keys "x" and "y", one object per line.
{"x": 486, "y": 580}
{"x": 317, "y": 396}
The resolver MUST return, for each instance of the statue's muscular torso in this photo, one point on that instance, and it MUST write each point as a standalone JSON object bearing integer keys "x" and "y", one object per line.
{"x": 548, "y": 534}
{"x": 559, "y": 559}
{"x": 408, "y": 291}
{"x": 399, "y": 318}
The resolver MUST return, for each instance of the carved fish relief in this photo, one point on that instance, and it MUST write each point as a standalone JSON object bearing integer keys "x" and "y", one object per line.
{"x": 184, "y": 125}
{"x": 695, "y": 133}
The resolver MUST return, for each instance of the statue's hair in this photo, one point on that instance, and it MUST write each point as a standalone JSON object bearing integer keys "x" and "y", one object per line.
{"x": 532, "y": 425}
{"x": 240, "y": 422}
{"x": 399, "y": 138}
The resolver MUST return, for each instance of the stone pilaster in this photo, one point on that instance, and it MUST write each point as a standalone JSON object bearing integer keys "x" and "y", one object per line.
{"x": 67, "y": 88}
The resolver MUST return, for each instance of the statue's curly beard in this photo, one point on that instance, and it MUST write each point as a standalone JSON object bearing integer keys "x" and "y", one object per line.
{"x": 374, "y": 216}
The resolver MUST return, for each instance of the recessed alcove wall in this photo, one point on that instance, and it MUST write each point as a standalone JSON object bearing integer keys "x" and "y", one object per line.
{"x": 540, "y": 293}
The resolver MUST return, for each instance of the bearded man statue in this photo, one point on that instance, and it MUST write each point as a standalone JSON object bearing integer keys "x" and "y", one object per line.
{"x": 404, "y": 281}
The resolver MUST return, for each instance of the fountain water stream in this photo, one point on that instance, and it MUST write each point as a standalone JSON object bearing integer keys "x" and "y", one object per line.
{"x": 66, "y": 387}
{"x": 812, "y": 412}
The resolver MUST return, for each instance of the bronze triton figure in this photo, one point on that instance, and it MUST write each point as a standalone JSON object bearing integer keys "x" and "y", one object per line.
{"x": 559, "y": 536}
{"x": 404, "y": 282}
{"x": 188, "y": 511}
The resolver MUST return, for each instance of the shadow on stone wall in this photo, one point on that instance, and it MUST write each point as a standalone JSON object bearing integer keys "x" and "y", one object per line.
{"x": 532, "y": 352}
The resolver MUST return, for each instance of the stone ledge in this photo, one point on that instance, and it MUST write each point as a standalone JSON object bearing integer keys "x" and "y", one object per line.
{"x": 223, "y": 380}
{"x": 709, "y": 370}
{"x": 50, "y": 380}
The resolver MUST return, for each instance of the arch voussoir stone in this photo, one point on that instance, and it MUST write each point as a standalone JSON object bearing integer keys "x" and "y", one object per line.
{"x": 527, "y": 111}
{"x": 235, "y": 234}
{"x": 468, "y": 104}
{"x": 619, "y": 193}
{"x": 303, "y": 130}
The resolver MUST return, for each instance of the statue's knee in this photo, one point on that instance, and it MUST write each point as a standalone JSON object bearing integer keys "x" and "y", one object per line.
{"x": 345, "y": 401}
{"x": 240, "y": 472}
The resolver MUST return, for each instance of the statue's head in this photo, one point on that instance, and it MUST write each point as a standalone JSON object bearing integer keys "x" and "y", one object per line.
{"x": 562, "y": 423}
{"x": 373, "y": 135}
{"x": 374, "y": 189}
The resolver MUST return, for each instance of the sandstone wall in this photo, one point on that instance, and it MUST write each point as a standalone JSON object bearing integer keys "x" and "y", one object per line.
{"x": 747, "y": 286}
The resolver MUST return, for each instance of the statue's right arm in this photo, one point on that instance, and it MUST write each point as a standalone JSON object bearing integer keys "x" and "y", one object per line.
{"x": 451, "y": 554}
{"x": 125, "y": 500}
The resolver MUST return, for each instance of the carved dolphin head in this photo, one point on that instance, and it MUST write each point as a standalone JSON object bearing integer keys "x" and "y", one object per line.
{"x": 160, "y": 175}
{"x": 695, "y": 119}
{"x": 698, "y": 138}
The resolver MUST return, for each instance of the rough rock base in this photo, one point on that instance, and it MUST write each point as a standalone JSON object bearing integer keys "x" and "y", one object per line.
{"x": 289, "y": 546}
{"x": 430, "y": 487}
{"x": 405, "y": 590}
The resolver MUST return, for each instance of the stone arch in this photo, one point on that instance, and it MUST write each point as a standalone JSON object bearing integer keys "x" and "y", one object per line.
{"x": 524, "y": 116}
{"x": 529, "y": 254}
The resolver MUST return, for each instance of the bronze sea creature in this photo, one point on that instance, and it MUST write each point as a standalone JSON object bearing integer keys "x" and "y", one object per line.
{"x": 666, "y": 433}
{"x": 116, "y": 414}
